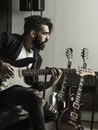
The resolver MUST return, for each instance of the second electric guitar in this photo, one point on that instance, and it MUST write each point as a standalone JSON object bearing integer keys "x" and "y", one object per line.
{"x": 70, "y": 117}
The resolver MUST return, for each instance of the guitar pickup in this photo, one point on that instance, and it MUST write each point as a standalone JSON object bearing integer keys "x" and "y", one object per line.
{"x": 76, "y": 105}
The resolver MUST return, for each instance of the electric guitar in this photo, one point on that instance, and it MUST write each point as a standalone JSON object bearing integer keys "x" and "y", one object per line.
{"x": 70, "y": 117}
{"x": 54, "y": 96}
{"x": 84, "y": 55}
{"x": 20, "y": 71}
{"x": 61, "y": 94}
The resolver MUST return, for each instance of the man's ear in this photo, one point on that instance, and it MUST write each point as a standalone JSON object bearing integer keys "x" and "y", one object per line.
{"x": 32, "y": 33}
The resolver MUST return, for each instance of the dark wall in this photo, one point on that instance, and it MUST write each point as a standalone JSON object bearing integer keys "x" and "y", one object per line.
{"x": 5, "y": 15}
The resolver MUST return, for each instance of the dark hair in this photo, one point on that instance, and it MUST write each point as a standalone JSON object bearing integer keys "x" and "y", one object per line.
{"x": 34, "y": 23}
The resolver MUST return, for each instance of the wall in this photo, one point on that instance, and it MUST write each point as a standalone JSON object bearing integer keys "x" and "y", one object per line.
{"x": 75, "y": 25}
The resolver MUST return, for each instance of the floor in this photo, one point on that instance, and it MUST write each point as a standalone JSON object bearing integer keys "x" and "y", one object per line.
{"x": 51, "y": 126}
{"x": 86, "y": 125}
{"x": 23, "y": 125}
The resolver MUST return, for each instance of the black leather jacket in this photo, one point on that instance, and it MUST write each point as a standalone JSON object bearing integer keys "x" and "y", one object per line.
{"x": 10, "y": 48}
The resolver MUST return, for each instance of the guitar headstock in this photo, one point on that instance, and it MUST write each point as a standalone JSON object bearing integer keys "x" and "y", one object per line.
{"x": 69, "y": 55}
{"x": 84, "y": 54}
{"x": 84, "y": 72}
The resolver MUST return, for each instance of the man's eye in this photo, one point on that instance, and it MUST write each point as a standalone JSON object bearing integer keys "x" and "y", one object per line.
{"x": 45, "y": 33}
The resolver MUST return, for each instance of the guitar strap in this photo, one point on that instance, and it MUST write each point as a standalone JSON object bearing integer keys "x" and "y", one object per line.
{"x": 35, "y": 65}
{"x": 35, "y": 56}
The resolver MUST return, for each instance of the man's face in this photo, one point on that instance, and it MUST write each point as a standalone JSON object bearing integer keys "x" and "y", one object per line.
{"x": 41, "y": 38}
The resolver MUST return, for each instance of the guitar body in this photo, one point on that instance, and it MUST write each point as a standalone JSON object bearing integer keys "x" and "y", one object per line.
{"x": 20, "y": 71}
{"x": 70, "y": 117}
{"x": 16, "y": 80}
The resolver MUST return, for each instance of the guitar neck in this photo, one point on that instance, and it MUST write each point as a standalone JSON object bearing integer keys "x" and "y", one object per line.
{"x": 21, "y": 72}
{"x": 31, "y": 72}
{"x": 69, "y": 65}
{"x": 79, "y": 91}
{"x": 64, "y": 82}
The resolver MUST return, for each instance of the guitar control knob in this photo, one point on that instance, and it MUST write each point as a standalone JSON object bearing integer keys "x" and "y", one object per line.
{"x": 72, "y": 99}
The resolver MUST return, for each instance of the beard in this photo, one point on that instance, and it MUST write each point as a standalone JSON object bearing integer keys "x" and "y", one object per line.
{"x": 38, "y": 44}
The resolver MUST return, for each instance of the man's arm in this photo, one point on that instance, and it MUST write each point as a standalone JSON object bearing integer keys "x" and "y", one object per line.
{"x": 56, "y": 75}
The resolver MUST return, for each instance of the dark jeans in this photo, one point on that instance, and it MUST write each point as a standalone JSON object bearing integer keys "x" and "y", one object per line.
{"x": 18, "y": 95}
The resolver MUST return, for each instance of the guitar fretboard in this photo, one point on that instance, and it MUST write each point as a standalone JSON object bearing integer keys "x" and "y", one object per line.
{"x": 30, "y": 72}
{"x": 79, "y": 91}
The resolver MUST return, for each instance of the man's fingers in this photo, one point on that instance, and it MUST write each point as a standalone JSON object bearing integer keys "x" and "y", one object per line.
{"x": 56, "y": 72}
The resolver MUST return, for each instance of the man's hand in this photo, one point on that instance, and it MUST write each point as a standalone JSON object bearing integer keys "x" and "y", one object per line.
{"x": 7, "y": 70}
{"x": 56, "y": 75}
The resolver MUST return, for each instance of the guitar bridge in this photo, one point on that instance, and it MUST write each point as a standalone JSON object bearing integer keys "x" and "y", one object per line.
{"x": 73, "y": 116}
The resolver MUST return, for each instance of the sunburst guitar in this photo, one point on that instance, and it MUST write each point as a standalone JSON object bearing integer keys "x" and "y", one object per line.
{"x": 70, "y": 118}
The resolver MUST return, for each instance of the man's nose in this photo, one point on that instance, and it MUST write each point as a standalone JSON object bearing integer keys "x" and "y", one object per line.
{"x": 47, "y": 37}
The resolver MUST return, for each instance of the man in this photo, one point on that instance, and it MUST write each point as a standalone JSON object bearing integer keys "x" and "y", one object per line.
{"x": 15, "y": 47}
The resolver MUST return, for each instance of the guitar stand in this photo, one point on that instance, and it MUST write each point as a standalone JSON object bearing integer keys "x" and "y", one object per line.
{"x": 94, "y": 101}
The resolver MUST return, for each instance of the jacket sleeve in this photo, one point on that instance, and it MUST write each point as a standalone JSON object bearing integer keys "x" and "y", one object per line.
{"x": 10, "y": 45}
{"x": 3, "y": 40}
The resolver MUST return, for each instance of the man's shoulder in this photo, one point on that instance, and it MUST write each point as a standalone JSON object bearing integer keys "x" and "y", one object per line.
{"x": 6, "y": 36}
